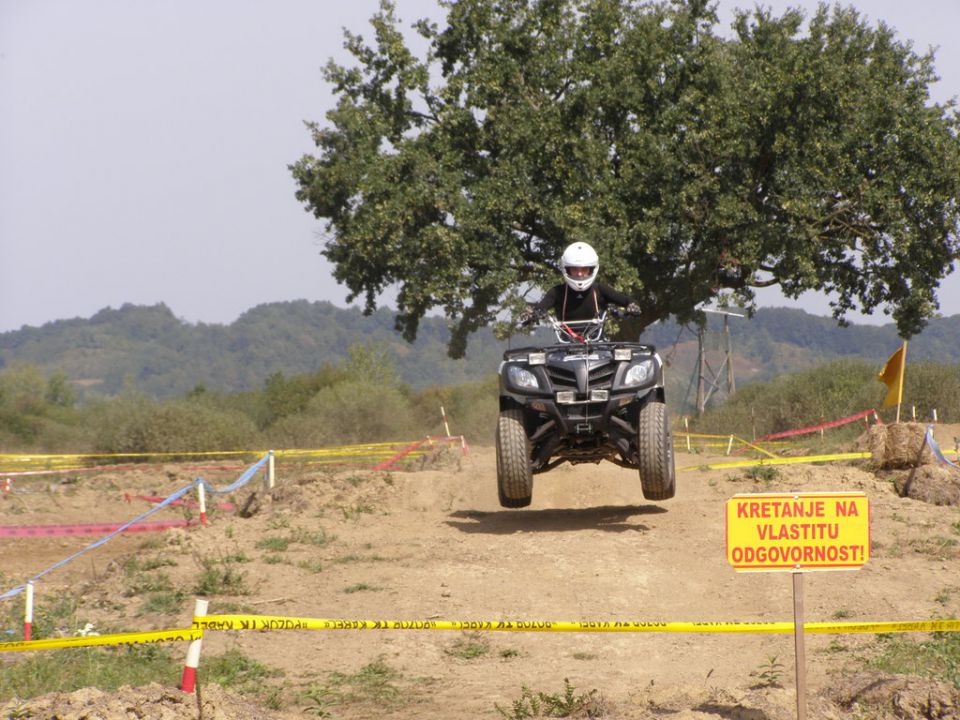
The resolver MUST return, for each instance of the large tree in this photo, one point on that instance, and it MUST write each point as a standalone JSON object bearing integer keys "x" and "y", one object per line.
{"x": 803, "y": 154}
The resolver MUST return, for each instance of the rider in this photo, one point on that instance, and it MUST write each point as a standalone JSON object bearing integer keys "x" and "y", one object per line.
{"x": 580, "y": 296}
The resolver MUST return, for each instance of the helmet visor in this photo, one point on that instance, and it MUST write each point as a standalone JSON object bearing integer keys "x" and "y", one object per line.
{"x": 579, "y": 272}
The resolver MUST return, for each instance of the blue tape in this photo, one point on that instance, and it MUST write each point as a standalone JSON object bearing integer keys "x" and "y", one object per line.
{"x": 238, "y": 483}
{"x": 175, "y": 496}
{"x": 936, "y": 448}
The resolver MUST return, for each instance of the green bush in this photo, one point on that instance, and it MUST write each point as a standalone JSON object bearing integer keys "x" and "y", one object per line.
{"x": 348, "y": 412}
{"x": 136, "y": 424}
{"x": 831, "y": 391}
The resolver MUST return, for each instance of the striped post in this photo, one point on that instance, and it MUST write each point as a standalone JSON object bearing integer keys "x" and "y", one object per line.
{"x": 28, "y": 611}
{"x": 446, "y": 427}
{"x": 202, "y": 499}
{"x": 188, "y": 681}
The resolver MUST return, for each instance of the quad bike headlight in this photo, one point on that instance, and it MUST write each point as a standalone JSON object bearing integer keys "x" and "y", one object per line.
{"x": 521, "y": 377}
{"x": 639, "y": 374}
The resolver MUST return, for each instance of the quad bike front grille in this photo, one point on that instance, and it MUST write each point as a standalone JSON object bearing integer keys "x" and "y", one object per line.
{"x": 602, "y": 377}
{"x": 562, "y": 378}
{"x": 566, "y": 379}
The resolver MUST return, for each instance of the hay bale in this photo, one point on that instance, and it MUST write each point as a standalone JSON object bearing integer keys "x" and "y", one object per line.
{"x": 934, "y": 484}
{"x": 897, "y": 445}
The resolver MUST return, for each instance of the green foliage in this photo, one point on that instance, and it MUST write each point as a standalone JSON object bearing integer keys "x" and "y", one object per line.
{"x": 469, "y": 647}
{"x": 218, "y": 577}
{"x": 233, "y": 669}
{"x": 809, "y": 157}
{"x": 71, "y": 669}
{"x": 937, "y": 657}
{"x": 831, "y": 391}
{"x": 373, "y": 683}
{"x": 567, "y": 704}
{"x": 769, "y": 673}
{"x": 135, "y": 424}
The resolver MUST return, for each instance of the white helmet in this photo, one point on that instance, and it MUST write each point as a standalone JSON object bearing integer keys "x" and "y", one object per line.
{"x": 579, "y": 266}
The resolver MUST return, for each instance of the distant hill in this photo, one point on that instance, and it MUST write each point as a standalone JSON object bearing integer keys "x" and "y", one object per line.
{"x": 164, "y": 356}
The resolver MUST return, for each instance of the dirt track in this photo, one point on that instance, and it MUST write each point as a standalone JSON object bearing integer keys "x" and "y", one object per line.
{"x": 436, "y": 545}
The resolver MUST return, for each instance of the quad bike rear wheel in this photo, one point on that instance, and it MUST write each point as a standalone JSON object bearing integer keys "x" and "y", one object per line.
{"x": 655, "y": 453}
{"x": 514, "y": 477}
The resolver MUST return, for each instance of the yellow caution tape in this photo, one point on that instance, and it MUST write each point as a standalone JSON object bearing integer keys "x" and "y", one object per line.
{"x": 136, "y": 638}
{"x": 780, "y": 461}
{"x": 271, "y": 622}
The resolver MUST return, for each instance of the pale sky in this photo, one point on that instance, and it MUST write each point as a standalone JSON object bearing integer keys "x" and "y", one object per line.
{"x": 144, "y": 147}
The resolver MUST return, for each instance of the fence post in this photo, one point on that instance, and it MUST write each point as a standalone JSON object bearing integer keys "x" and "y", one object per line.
{"x": 730, "y": 445}
{"x": 28, "y": 611}
{"x": 202, "y": 499}
{"x": 188, "y": 681}
{"x": 271, "y": 477}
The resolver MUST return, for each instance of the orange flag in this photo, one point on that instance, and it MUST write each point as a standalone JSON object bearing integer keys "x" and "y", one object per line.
{"x": 892, "y": 375}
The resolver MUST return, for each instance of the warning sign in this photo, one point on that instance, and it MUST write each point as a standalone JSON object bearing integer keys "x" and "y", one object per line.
{"x": 798, "y": 531}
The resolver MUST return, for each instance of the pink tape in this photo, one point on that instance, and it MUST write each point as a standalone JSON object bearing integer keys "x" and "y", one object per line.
{"x": 817, "y": 428}
{"x": 88, "y": 528}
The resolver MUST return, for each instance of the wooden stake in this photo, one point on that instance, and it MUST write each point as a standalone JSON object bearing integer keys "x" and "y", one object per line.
{"x": 800, "y": 652}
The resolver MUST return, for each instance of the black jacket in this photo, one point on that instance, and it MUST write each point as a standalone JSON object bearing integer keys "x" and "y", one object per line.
{"x": 568, "y": 304}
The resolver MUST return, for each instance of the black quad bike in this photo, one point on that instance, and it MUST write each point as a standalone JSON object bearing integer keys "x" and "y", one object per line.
{"x": 582, "y": 400}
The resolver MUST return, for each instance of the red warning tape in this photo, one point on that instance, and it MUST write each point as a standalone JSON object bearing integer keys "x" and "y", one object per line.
{"x": 817, "y": 428}
{"x": 389, "y": 462}
{"x": 88, "y": 528}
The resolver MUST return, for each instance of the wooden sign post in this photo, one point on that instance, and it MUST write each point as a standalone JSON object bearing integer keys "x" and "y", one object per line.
{"x": 798, "y": 533}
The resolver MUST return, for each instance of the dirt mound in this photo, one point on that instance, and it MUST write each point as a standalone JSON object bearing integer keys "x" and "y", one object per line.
{"x": 897, "y": 446}
{"x": 435, "y": 544}
{"x": 934, "y": 484}
{"x": 152, "y": 702}
{"x": 897, "y": 697}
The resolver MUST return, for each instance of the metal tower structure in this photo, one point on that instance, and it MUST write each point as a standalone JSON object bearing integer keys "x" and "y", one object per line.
{"x": 708, "y": 379}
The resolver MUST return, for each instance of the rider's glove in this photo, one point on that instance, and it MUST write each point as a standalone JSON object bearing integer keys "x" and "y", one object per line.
{"x": 526, "y": 316}
{"x": 633, "y": 309}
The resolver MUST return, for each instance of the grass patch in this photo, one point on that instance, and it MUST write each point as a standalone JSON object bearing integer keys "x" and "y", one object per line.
{"x": 74, "y": 668}
{"x": 353, "y": 512}
{"x": 373, "y": 684}
{"x": 314, "y": 566}
{"x": 236, "y": 670}
{"x": 360, "y": 587}
{"x": 141, "y": 583}
{"x": 305, "y": 537}
{"x": 353, "y": 557}
{"x": 937, "y": 657}
{"x": 220, "y": 578}
{"x": 762, "y": 473}
{"x": 469, "y": 647}
{"x": 163, "y": 603}
{"x": 272, "y": 559}
{"x": 273, "y": 543}
{"x": 565, "y": 704}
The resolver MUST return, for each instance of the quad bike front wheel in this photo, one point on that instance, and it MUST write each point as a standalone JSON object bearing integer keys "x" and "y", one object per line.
{"x": 655, "y": 453}
{"x": 514, "y": 477}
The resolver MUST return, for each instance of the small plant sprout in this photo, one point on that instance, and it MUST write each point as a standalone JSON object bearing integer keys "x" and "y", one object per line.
{"x": 769, "y": 673}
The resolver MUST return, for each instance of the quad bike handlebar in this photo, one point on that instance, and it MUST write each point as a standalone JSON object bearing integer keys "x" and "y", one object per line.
{"x": 577, "y": 331}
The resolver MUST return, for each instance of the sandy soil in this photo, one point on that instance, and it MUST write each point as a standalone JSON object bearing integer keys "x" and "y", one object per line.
{"x": 434, "y": 544}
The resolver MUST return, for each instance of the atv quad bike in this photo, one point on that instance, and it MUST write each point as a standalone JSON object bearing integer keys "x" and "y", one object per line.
{"x": 582, "y": 400}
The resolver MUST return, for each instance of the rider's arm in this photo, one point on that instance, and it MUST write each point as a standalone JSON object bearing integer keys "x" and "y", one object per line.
{"x": 613, "y": 297}
{"x": 547, "y": 302}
